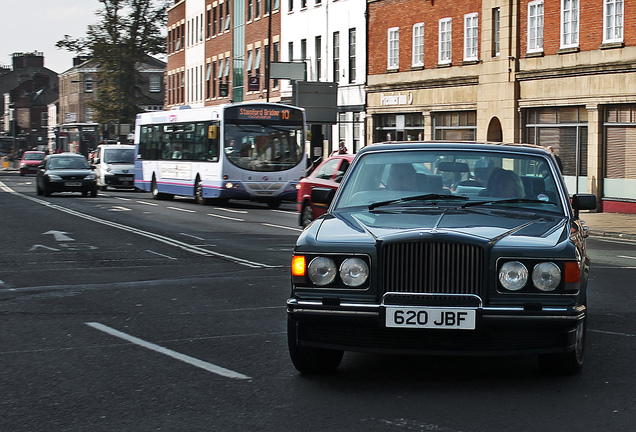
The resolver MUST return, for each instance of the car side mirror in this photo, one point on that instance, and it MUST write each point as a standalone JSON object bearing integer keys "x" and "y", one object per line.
{"x": 583, "y": 202}
{"x": 322, "y": 195}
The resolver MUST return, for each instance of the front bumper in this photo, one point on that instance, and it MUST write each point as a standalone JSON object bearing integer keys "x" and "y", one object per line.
{"x": 499, "y": 330}
{"x": 120, "y": 180}
{"x": 63, "y": 186}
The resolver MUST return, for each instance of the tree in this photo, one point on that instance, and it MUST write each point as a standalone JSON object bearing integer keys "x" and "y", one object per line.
{"x": 129, "y": 30}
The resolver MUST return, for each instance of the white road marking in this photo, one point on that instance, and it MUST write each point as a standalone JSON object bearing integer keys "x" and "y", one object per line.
{"x": 123, "y": 199}
{"x": 233, "y": 211}
{"x": 119, "y": 208}
{"x": 182, "y": 210}
{"x": 160, "y": 238}
{"x": 628, "y": 257}
{"x": 161, "y": 255}
{"x": 226, "y": 217}
{"x": 174, "y": 354}
{"x": 59, "y": 235}
{"x": 148, "y": 203}
{"x": 283, "y": 227}
{"x": 612, "y": 333}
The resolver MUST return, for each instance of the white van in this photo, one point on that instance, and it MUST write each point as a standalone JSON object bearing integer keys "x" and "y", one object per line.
{"x": 115, "y": 166}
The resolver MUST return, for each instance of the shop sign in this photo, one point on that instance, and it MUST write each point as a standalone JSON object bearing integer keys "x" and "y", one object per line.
{"x": 396, "y": 99}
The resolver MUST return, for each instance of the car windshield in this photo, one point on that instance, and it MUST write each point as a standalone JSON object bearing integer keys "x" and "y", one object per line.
{"x": 68, "y": 163}
{"x": 124, "y": 156}
{"x": 34, "y": 156}
{"x": 383, "y": 181}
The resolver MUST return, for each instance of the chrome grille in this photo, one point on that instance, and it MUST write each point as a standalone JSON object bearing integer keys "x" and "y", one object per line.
{"x": 440, "y": 268}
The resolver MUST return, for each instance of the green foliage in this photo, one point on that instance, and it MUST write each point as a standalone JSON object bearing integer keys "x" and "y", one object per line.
{"x": 129, "y": 31}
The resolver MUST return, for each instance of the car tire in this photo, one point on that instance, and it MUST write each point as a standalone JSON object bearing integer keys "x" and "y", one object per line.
{"x": 568, "y": 363}
{"x": 94, "y": 192}
{"x": 38, "y": 189}
{"x": 309, "y": 360}
{"x": 46, "y": 191}
{"x": 306, "y": 215}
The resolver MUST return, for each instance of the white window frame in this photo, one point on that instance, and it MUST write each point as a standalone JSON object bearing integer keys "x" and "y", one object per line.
{"x": 570, "y": 12}
{"x": 418, "y": 45}
{"x": 445, "y": 53}
{"x": 535, "y": 26}
{"x": 154, "y": 84}
{"x": 393, "y": 48}
{"x": 613, "y": 20}
{"x": 471, "y": 36}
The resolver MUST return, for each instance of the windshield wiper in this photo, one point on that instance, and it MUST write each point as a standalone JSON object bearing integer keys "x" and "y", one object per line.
{"x": 507, "y": 201}
{"x": 425, "y": 197}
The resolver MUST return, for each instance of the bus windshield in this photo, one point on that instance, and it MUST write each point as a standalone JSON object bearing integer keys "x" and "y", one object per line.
{"x": 263, "y": 147}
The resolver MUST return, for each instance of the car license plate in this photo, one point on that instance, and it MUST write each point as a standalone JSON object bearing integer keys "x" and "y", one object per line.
{"x": 430, "y": 317}
{"x": 73, "y": 184}
{"x": 125, "y": 179}
{"x": 264, "y": 193}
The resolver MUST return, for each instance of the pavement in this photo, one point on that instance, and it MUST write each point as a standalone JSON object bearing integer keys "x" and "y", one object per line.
{"x": 612, "y": 225}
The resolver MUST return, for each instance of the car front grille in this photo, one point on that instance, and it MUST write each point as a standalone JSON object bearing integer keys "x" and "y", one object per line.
{"x": 436, "y": 268}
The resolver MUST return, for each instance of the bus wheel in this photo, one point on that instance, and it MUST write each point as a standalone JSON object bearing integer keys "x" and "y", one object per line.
{"x": 155, "y": 191}
{"x": 274, "y": 203}
{"x": 198, "y": 193}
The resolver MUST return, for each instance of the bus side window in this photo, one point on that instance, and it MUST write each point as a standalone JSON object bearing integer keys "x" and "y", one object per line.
{"x": 213, "y": 143}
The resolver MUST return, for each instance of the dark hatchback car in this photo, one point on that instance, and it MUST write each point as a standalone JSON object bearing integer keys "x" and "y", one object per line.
{"x": 66, "y": 172}
{"x": 443, "y": 248}
{"x": 327, "y": 175}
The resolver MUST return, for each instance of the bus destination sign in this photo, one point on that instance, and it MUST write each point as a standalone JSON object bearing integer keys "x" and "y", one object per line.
{"x": 267, "y": 113}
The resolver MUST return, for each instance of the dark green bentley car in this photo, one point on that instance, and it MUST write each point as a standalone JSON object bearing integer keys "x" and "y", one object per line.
{"x": 443, "y": 248}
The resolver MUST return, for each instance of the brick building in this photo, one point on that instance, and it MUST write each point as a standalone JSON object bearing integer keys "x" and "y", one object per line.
{"x": 551, "y": 72}
{"x": 218, "y": 50}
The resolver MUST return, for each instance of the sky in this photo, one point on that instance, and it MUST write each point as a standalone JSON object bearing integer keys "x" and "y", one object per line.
{"x": 36, "y": 25}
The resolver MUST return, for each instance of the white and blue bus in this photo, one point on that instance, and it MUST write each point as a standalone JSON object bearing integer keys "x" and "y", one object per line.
{"x": 246, "y": 151}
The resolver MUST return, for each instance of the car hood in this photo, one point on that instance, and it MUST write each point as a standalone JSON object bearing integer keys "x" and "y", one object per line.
{"x": 504, "y": 227}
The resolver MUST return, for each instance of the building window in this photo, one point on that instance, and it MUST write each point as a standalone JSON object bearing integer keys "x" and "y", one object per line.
{"x": 397, "y": 127}
{"x": 352, "y": 55}
{"x": 88, "y": 114}
{"x": 88, "y": 84}
{"x": 613, "y": 21}
{"x": 471, "y": 36}
{"x": 290, "y": 5}
{"x": 275, "y": 58}
{"x": 418, "y": 45}
{"x": 155, "y": 83}
{"x": 44, "y": 119}
{"x": 620, "y": 153}
{"x": 318, "y": 46}
{"x": 257, "y": 60}
{"x": 496, "y": 20}
{"x": 258, "y": 9}
{"x": 250, "y": 60}
{"x": 455, "y": 126}
{"x": 535, "y": 26}
{"x": 393, "y": 54}
{"x": 290, "y": 51}
{"x": 445, "y": 40}
{"x": 569, "y": 23}
{"x": 227, "y": 15}
{"x": 250, "y": 9}
{"x": 336, "y": 56}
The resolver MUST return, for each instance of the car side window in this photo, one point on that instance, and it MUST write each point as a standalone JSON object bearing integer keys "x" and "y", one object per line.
{"x": 342, "y": 170}
{"x": 327, "y": 171}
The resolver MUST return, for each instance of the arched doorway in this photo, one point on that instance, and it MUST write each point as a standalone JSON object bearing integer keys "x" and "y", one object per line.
{"x": 494, "y": 131}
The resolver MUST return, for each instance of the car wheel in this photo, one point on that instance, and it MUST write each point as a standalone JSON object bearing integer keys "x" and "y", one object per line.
{"x": 274, "y": 203}
{"x": 94, "y": 192}
{"x": 306, "y": 215}
{"x": 568, "y": 363}
{"x": 38, "y": 189}
{"x": 103, "y": 188}
{"x": 47, "y": 191}
{"x": 310, "y": 360}
{"x": 198, "y": 193}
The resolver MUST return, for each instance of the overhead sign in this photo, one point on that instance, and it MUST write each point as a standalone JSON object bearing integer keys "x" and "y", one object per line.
{"x": 296, "y": 71}
{"x": 320, "y": 100}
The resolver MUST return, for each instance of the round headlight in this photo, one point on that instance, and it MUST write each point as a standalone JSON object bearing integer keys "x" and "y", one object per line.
{"x": 513, "y": 275}
{"x": 546, "y": 276}
{"x": 322, "y": 271}
{"x": 354, "y": 272}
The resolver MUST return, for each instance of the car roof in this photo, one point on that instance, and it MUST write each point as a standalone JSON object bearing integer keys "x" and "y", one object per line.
{"x": 33, "y": 151}
{"x": 56, "y": 155}
{"x": 454, "y": 145}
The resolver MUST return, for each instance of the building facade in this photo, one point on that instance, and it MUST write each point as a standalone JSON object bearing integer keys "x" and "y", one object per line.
{"x": 329, "y": 36}
{"x": 218, "y": 51}
{"x": 514, "y": 72}
{"x": 75, "y": 129}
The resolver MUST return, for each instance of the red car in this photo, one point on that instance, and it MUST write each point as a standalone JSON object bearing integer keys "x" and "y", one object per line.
{"x": 328, "y": 174}
{"x": 30, "y": 162}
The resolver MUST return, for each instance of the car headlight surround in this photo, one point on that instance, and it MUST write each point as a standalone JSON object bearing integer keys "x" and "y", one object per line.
{"x": 354, "y": 272}
{"x": 90, "y": 177}
{"x": 513, "y": 275}
{"x": 322, "y": 271}
{"x": 546, "y": 276}
{"x": 55, "y": 178}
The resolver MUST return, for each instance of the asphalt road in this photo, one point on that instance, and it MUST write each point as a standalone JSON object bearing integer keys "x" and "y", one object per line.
{"x": 124, "y": 313}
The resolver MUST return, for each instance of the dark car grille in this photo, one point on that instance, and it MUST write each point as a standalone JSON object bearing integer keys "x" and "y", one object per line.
{"x": 438, "y": 268}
